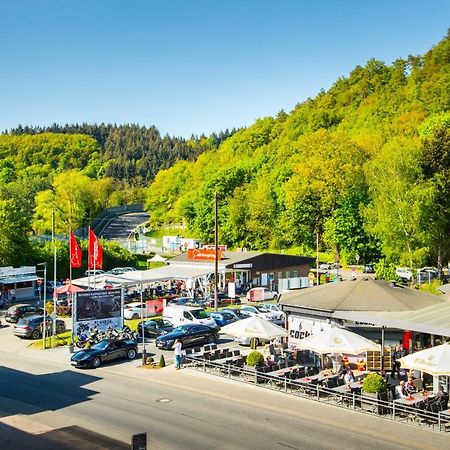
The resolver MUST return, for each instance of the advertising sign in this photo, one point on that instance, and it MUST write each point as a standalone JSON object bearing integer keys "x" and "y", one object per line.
{"x": 154, "y": 307}
{"x": 299, "y": 328}
{"x": 99, "y": 309}
{"x": 201, "y": 254}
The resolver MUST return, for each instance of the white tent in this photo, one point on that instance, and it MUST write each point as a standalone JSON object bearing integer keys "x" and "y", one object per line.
{"x": 157, "y": 258}
{"x": 435, "y": 360}
{"x": 338, "y": 340}
{"x": 254, "y": 327}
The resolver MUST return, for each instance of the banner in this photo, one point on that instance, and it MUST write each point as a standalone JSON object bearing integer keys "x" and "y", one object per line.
{"x": 97, "y": 309}
{"x": 95, "y": 259}
{"x": 75, "y": 252}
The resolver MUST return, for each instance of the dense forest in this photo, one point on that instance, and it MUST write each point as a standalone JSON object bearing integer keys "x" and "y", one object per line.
{"x": 363, "y": 166}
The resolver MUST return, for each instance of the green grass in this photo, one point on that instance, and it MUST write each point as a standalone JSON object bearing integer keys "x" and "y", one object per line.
{"x": 58, "y": 341}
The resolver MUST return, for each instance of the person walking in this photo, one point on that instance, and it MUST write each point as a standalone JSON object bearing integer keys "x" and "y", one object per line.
{"x": 177, "y": 353}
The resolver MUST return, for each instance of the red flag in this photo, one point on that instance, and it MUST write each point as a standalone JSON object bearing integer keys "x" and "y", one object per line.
{"x": 95, "y": 260}
{"x": 75, "y": 252}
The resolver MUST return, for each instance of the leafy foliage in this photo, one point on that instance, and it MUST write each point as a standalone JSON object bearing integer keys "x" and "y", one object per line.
{"x": 255, "y": 359}
{"x": 374, "y": 383}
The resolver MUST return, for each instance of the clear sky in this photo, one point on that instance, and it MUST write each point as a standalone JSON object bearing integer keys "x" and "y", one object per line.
{"x": 193, "y": 66}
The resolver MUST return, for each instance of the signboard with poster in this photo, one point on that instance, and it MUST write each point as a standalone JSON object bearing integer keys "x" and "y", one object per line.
{"x": 99, "y": 309}
{"x": 201, "y": 254}
{"x": 154, "y": 307}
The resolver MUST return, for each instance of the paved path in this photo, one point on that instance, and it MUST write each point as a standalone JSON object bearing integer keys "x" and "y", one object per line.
{"x": 42, "y": 399}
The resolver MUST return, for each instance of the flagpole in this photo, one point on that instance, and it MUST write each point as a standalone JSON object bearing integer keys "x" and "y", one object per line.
{"x": 54, "y": 278}
{"x": 89, "y": 257}
{"x": 70, "y": 255}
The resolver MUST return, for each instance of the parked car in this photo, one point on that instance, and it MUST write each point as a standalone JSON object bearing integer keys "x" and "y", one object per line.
{"x": 368, "y": 268}
{"x": 182, "y": 315}
{"x": 260, "y": 294}
{"x": 274, "y": 308}
{"x": 405, "y": 273}
{"x": 237, "y": 313}
{"x": 245, "y": 340}
{"x": 189, "y": 335}
{"x": 104, "y": 351}
{"x": 180, "y": 301}
{"x": 223, "y": 299}
{"x": 196, "y": 302}
{"x": 259, "y": 311}
{"x": 136, "y": 310}
{"x": 31, "y": 327}
{"x": 223, "y": 318}
{"x": 90, "y": 272}
{"x": 155, "y": 327}
{"x": 16, "y": 312}
{"x": 327, "y": 266}
{"x": 117, "y": 271}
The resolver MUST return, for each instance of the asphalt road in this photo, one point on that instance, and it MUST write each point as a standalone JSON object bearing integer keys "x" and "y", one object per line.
{"x": 69, "y": 408}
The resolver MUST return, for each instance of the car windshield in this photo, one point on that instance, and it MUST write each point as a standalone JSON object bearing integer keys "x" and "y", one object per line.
{"x": 101, "y": 345}
{"x": 261, "y": 309}
{"x": 22, "y": 322}
{"x": 200, "y": 314}
{"x": 180, "y": 330}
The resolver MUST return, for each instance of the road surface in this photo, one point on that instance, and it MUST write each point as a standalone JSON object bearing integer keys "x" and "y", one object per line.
{"x": 40, "y": 393}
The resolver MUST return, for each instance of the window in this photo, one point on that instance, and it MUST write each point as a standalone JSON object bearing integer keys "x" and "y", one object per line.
{"x": 280, "y": 275}
{"x": 295, "y": 273}
{"x": 186, "y": 315}
{"x": 288, "y": 274}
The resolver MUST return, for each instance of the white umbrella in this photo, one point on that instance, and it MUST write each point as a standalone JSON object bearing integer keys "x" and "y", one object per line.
{"x": 435, "y": 360}
{"x": 254, "y": 327}
{"x": 338, "y": 340}
{"x": 156, "y": 258}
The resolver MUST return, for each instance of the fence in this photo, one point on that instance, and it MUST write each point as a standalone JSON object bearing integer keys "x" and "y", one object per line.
{"x": 343, "y": 398}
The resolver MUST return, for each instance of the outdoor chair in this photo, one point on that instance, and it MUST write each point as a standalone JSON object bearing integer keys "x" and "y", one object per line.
{"x": 236, "y": 353}
{"x": 340, "y": 381}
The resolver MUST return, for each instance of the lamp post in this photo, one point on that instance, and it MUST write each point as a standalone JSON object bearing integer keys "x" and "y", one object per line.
{"x": 144, "y": 352}
{"x": 216, "y": 253}
{"x": 44, "y": 328}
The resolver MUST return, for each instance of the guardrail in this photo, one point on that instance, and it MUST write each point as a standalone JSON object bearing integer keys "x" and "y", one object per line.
{"x": 353, "y": 399}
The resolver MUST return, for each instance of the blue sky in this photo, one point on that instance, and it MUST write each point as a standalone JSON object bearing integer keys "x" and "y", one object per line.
{"x": 193, "y": 66}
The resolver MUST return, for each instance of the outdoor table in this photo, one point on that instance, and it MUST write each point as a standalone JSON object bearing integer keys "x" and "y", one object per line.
{"x": 413, "y": 399}
{"x": 345, "y": 388}
{"x": 358, "y": 374}
{"x": 315, "y": 378}
{"x": 283, "y": 372}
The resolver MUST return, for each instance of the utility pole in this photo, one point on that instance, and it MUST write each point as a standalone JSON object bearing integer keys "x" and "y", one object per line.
{"x": 44, "y": 325}
{"x": 216, "y": 254}
{"x": 317, "y": 259}
{"x": 54, "y": 279}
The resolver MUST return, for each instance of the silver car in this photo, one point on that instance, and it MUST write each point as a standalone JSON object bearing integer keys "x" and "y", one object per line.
{"x": 31, "y": 327}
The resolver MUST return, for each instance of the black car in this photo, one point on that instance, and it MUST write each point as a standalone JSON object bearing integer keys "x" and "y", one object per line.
{"x": 16, "y": 312}
{"x": 154, "y": 328}
{"x": 104, "y": 351}
{"x": 189, "y": 335}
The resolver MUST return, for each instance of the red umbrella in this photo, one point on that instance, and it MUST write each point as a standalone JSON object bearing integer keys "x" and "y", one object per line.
{"x": 68, "y": 289}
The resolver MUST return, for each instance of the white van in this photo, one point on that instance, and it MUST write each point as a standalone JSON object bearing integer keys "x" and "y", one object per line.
{"x": 185, "y": 315}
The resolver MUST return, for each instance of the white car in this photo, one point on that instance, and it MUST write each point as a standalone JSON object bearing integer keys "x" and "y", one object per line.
{"x": 405, "y": 273}
{"x": 91, "y": 272}
{"x": 272, "y": 307}
{"x": 261, "y": 312}
{"x": 260, "y": 294}
{"x": 133, "y": 311}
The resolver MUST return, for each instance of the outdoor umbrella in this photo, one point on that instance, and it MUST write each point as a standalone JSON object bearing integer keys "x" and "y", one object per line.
{"x": 338, "y": 340}
{"x": 434, "y": 360}
{"x": 68, "y": 289}
{"x": 254, "y": 327}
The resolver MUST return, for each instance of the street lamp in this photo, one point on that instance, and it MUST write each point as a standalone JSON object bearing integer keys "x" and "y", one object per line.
{"x": 44, "y": 328}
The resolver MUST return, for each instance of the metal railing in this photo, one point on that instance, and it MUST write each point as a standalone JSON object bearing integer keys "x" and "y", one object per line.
{"x": 353, "y": 399}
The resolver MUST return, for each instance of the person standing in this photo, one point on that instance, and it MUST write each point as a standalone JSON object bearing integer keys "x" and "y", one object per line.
{"x": 12, "y": 293}
{"x": 177, "y": 353}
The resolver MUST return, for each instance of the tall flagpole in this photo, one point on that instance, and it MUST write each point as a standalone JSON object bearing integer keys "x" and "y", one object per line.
{"x": 89, "y": 258}
{"x": 54, "y": 278}
{"x": 70, "y": 255}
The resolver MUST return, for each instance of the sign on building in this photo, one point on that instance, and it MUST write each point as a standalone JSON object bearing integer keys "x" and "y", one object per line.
{"x": 300, "y": 328}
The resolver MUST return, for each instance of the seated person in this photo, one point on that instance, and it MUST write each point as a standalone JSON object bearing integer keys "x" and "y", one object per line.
{"x": 409, "y": 385}
{"x": 401, "y": 391}
{"x": 269, "y": 361}
{"x": 349, "y": 377}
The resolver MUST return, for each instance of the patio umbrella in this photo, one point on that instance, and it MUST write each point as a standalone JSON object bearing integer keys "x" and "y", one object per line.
{"x": 68, "y": 289}
{"x": 254, "y": 327}
{"x": 434, "y": 360}
{"x": 338, "y": 340}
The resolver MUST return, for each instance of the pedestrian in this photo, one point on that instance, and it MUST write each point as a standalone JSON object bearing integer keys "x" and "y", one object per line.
{"x": 12, "y": 292}
{"x": 177, "y": 353}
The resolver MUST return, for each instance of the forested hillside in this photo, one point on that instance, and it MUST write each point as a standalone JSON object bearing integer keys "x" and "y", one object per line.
{"x": 365, "y": 165}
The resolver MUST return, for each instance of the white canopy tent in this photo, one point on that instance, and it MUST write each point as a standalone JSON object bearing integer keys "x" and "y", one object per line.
{"x": 157, "y": 258}
{"x": 338, "y": 340}
{"x": 254, "y": 327}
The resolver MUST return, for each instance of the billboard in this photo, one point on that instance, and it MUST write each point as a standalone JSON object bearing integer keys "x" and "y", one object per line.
{"x": 299, "y": 328}
{"x": 154, "y": 307}
{"x": 97, "y": 308}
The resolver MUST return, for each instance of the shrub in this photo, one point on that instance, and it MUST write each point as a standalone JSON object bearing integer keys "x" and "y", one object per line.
{"x": 374, "y": 383}
{"x": 162, "y": 361}
{"x": 255, "y": 359}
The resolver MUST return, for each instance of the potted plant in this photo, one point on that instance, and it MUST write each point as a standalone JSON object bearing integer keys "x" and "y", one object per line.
{"x": 374, "y": 392}
{"x": 255, "y": 359}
